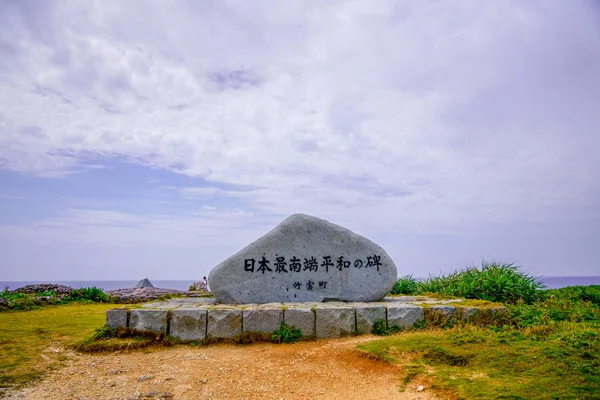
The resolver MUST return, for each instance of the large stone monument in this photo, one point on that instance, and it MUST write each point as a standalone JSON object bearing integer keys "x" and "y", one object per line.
{"x": 305, "y": 259}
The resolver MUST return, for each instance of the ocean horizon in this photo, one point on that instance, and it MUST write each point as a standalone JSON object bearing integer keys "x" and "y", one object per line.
{"x": 551, "y": 282}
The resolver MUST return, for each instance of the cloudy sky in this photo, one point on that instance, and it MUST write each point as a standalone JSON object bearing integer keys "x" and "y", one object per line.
{"x": 156, "y": 138}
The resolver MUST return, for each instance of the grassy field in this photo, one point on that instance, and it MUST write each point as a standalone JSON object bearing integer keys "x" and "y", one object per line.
{"x": 31, "y": 342}
{"x": 546, "y": 346}
{"x": 553, "y": 362}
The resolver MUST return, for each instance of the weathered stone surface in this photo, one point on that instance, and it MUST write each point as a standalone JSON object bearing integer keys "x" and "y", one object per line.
{"x": 467, "y": 313}
{"x": 148, "y": 320}
{"x": 261, "y": 319}
{"x": 188, "y": 324}
{"x": 144, "y": 283}
{"x": 305, "y": 259}
{"x": 447, "y": 311}
{"x": 301, "y": 318}
{"x": 116, "y": 318}
{"x": 335, "y": 322}
{"x": 403, "y": 315}
{"x": 366, "y": 316}
{"x": 224, "y": 322}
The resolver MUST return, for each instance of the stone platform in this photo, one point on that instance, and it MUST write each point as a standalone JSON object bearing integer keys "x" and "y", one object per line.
{"x": 196, "y": 319}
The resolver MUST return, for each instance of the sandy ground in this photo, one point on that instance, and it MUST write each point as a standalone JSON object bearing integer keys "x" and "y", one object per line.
{"x": 327, "y": 369}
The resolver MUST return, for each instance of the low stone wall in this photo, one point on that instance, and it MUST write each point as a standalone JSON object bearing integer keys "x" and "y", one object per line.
{"x": 196, "y": 318}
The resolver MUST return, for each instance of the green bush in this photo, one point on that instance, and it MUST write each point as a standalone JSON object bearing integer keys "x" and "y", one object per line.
{"x": 557, "y": 305}
{"x": 493, "y": 281}
{"x": 89, "y": 294}
{"x": 405, "y": 285}
{"x": 380, "y": 328}
{"x": 21, "y": 301}
{"x": 286, "y": 334}
{"x": 585, "y": 293}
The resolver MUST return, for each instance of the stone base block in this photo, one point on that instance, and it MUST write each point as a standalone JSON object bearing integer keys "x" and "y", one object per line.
{"x": 188, "y": 324}
{"x": 262, "y": 319}
{"x": 335, "y": 322}
{"x": 447, "y": 311}
{"x": 403, "y": 315}
{"x": 116, "y": 318}
{"x": 366, "y": 316}
{"x": 224, "y": 323}
{"x": 148, "y": 320}
{"x": 301, "y": 318}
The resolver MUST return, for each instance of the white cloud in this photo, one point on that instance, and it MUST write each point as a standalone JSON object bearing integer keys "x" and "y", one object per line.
{"x": 396, "y": 117}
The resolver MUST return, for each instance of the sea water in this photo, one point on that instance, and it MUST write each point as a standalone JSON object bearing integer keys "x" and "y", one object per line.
{"x": 551, "y": 282}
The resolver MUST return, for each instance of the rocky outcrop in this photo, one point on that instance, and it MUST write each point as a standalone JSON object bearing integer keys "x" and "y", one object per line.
{"x": 44, "y": 287}
{"x": 144, "y": 283}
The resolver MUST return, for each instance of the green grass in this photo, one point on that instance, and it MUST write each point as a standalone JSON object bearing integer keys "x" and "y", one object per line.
{"x": 32, "y": 301}
{"x": 549, "y": 349}
{"x": 28, "y": 338}
{"x": 561, "y": 361}
{"x": 493, "y": 281}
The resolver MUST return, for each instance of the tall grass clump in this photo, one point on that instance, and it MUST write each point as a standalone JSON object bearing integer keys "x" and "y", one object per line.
{"x": 493, "y": 281}
{"x": 405, "y": 285}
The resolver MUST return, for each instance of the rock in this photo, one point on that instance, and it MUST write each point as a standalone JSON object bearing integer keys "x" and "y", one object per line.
{"x": 188, "y": 324}
{"x": 200, "y": 286}
{"x": 301, "y": 318}
{"x": 224, "y": 323}
{"x": 144, "y": 283}
{"x": 148, "y": 320}
{"x": 140, "y": 295}
{"x": 259, "y": 319}
{"x": 446, "y": 311}
{"x": 403, "y": 315}
{"x": 420, "y": 388}
{"x": 44, "y": 287}
{"x": 305, "y": 259}
{"x": 116, "y": 318}
{"x": 144, "y": 378}
{"x": 366, "y": 314}
{"x": 335, "y": 322}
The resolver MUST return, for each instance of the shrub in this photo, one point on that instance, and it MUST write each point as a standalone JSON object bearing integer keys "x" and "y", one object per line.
{"x": 286, "y": 334}
{"x": 21, "y": 301}
{"x": 380, "y": 328}
{"x": 405, "y": 285}
{"x": 493, "y": 281}
{"x": 89, "y": 294}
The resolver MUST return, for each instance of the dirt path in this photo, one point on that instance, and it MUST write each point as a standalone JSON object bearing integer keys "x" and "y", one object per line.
{"x": 329, "y": 369}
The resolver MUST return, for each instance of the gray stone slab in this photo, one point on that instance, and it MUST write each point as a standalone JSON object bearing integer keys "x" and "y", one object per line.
{"x": 188, "y": 324}
{"x": 262, "y": 319}
{"x": 401, "y": 299}
{"x": 447, "y": 311}
{"x": 224, "y": 322}
{"x": 148, "y": 320}
{"x": 467, "y": 313}
{"x": 403, "y": 315}
{"x": 116, "y": 318}
{"x": 305, "y": 259}
{"x": 301, "y": 318}
{"x": 335, "y": 322}
{"x": 366, "y": 316}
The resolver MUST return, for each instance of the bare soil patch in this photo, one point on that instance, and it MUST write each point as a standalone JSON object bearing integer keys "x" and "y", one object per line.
{"x": 327, "y": 369}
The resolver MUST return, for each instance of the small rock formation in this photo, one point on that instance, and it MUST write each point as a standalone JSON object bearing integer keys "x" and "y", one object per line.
{"x": 44, "y": 287}
{"x": 305, "y": 259}
{"x": 144, "y": 283}
{"x": 200, "y": 286}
